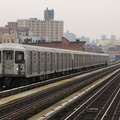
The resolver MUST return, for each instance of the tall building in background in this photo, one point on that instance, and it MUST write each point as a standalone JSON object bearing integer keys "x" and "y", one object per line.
{"x": 12, "y": 24}
{"x": 113, "y": 37}
{"x": 103, "y": 37}
{"x": 53, "y": 29}
{"x": 83, "y": 38}
{"x": 48, "y": 14}
{"x": 70, "y": 36}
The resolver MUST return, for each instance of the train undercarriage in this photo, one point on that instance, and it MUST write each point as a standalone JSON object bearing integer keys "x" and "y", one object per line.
{"x": 12, "y": 82}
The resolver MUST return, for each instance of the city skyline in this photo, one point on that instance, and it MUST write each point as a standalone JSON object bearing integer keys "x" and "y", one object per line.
{"x": 81, "y": 17}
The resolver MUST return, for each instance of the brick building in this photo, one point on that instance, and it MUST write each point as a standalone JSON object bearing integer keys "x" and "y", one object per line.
{"x": 64, "y": 44}
{"x": 93, "y": 48}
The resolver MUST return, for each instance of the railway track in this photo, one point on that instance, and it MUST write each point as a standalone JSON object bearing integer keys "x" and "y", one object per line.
{"x": 25, "y": 107}
{"x": 103, "y": 105}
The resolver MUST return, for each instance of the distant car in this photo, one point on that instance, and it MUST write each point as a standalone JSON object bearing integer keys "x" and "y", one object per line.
{"x": 23, "y": 64}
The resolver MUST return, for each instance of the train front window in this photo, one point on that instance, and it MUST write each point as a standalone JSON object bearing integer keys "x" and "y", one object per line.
{"x": 19, "y": 57}
{"x": 9, "y": 56}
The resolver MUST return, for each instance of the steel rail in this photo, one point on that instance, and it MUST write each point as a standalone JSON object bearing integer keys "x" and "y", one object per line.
{"x": 109, "y": 107}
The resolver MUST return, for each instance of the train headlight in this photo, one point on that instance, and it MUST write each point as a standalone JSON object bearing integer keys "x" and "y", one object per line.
{"x": 17, "y": 69}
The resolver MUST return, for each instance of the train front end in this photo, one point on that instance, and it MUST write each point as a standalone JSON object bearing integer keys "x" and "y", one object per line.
{"x": 12, "y": 64}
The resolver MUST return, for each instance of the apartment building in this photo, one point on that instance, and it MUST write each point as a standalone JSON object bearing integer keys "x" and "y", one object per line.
{"x": 12, "y": 27}
{"x": 50, "y": 28}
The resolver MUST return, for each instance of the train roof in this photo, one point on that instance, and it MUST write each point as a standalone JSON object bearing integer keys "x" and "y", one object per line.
{"x": 11, "y": 46}
{"x": 39, "y": 48}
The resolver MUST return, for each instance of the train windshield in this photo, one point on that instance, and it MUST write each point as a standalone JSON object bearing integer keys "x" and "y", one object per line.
{"x": 19, "y": 57}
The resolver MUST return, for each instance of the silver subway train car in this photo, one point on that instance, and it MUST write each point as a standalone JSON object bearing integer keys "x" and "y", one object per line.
{"x": 23, "y": 64}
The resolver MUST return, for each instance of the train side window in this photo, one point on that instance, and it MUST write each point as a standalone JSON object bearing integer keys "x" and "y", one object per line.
{"x": 48, "y": 59}
{"x": 19, "y": 57}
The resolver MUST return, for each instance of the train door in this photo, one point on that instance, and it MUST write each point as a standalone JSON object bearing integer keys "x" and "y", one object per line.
{"x": 59, "y": 61}
{"x": 78, "y": 60}
{"x": 52, "y": 62}
{"x": 0, "y": 63}
{"x": 42, "y": 62}
{"x": 48, "y": 62}
{"x": 8, "y": 62}
{"x": 64, "y": 61}
{"x": 34, "y": 62}
{"x": 86, "y": 60}
{"x": 38, "y": 62}
{"x": 56, "y": 62}
{"x": 29, "y": 67}
{"x": 82, "y": 60}
{"x": 70, "y": 61}
{"x": 92, "y": 62}
{"x": 75, "y": 61}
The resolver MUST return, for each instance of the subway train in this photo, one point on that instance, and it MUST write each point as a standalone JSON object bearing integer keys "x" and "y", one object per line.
{"x": 22, "y": 64}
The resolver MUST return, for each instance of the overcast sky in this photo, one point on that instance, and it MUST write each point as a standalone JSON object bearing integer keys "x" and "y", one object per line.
{"x": 89, "y": 18}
